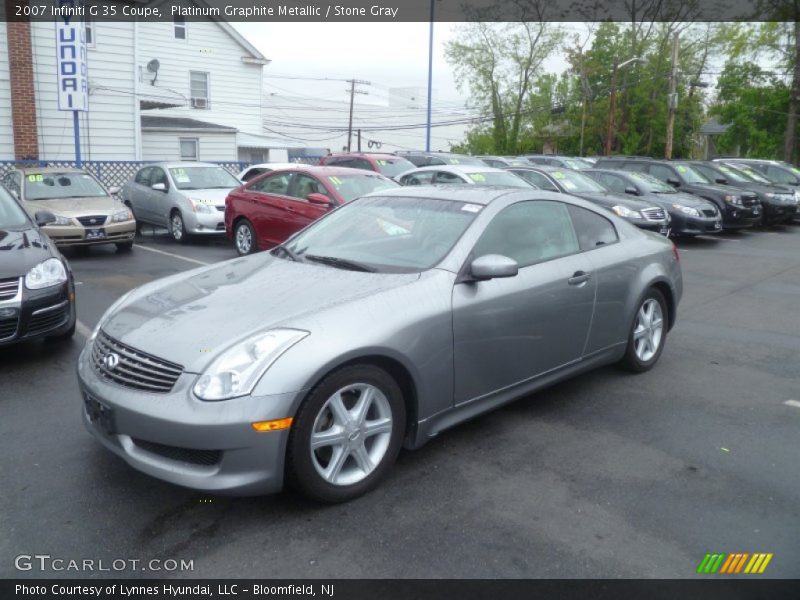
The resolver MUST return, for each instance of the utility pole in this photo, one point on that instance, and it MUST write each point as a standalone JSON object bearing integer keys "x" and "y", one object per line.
{"x": 612, "y": 106}
{"x": 353, "y": 91}
{"x": 672, "y": 98}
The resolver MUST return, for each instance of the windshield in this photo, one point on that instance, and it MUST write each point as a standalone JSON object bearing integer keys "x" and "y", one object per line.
{"x": 391, "y": 167}
{"x": 498, "y": 178}
{"x": 50, "y": 186}
{"x": 389, "y": 235}
{"x": 572, "y": 181}
{"x": 351, "y": 187}
{"x": 691, "y": 175}
{"x": 11, "y": 214}
{"x": 203, "y": 178}
{"x": 652, "y": 184}
{"x": 750, "y": 173}
{"x": 734, "y": 174}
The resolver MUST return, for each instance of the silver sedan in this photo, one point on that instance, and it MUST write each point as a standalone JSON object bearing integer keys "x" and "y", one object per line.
{"x": 188, "y": 198}
{"x": 379, "y": 326}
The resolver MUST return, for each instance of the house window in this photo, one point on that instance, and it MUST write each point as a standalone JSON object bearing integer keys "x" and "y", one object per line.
{"x": 180, "y": 28}
{"x": 189, "y": 148}
{"x": 89, "y": 26}
{"x": 198, "y": 89}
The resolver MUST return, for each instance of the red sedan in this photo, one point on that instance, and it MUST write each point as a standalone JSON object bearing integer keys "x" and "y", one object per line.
{"x": 267, "y": 210}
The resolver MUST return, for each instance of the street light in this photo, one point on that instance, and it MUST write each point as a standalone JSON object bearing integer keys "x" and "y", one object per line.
{"x": 430, "y": 81}
{"x": 613, "y": 99}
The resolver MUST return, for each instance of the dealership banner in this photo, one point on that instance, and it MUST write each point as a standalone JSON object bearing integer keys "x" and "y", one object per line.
{"x": 405, "y": 10}
{"x": 405, "y": 589}
{"x": 71, "y": 63}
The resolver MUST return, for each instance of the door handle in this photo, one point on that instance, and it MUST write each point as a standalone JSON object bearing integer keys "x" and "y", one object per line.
{"x": 579, "y": 278}
{"x": 289, "y": 209}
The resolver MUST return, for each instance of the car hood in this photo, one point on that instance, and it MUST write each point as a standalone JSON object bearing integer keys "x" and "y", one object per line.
{"x": 189, "y": 318}
{"x": 667, "y": 200}
{"x": 70, "y": 207}
{"x": 764, "y": 188}
{"x": 715, "y": 188}
{"x": 21, "y": 250}
{"x": 214, "y": 195}
{"x": 611, "y": 199}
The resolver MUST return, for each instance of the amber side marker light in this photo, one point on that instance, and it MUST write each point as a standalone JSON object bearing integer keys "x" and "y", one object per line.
{"x": 275, "y": 425}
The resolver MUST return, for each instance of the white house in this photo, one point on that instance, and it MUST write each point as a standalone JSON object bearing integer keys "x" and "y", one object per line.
{"x": 157, "y": 91}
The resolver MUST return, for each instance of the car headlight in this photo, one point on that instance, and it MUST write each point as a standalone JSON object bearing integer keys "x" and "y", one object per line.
{"x": 624, "y": 211}
{"x": 236, "y": 371}
{"x": 46, "y": 274}
{"x": 202, "y": 206}
{"x": 108, "y": 312}
{"x": 769, "y": 194}
{"x": 688, "y": 210}
{"x": 797, "y": 195}
{"x": 731, "y": 199}
{"x": 122, "y": 215}
{"x": 61, "y": 221}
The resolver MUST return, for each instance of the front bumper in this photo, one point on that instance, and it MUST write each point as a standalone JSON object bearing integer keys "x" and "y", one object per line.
{"x": 113, "y": 233}
{"x": 683, "y": 224}
{"x": 205, "y": 223}
{"x": 661, "y": 226}
{"x": 775, "y": 212}
{"x": 739, "y": 217}
{"x": 37, "y": 313}
{"x": 208, "y": 446}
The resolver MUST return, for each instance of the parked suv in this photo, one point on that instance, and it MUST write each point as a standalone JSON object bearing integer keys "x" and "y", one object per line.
{"x": 778, "y": 201}
{"x": 387, "y": 165}
{"x": 776, "y": 171}
{"x": 739, "y": 208}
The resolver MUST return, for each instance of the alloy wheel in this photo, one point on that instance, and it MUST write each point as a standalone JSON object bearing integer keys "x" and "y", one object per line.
{"x": 244, "y": 239}
{"x": 649, "y": 330}
{"x": 351, "y": 434}
{"x": 177, "y": 226}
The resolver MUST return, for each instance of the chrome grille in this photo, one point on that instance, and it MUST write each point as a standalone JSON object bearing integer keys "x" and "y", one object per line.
{"x": 9, "y": 288}
{"x": 654, "y": 214}
{"x": 48, "y": 318}
{"x": 135, "y": 369}
{"x": 92, "y": 220}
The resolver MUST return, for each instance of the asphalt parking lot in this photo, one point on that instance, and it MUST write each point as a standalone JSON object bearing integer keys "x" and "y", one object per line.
{"x": 608, "y": 475}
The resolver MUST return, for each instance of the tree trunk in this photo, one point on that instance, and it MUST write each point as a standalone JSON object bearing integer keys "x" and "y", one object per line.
{"x": 794, "y": 100}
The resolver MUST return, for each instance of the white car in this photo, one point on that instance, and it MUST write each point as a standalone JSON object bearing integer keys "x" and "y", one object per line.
{"x": 461, "y": 174}
{"x": 255, "y": 170}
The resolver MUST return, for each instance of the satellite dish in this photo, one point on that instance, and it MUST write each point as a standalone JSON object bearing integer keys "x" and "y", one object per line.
{"x": 152, "y": 69}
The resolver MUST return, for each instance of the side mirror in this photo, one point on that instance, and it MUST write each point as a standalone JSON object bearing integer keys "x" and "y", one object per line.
{"x": 631, "y": 190}
{"x": 319, "y": 199}
{"x": 721, "y": 180}
{"x": 673, "y": 182}
{"x": 114, "y": 190}
{"x": 159, "y": 187}
{"x": 493, "y": 266}
{"x": 44, "y": 217}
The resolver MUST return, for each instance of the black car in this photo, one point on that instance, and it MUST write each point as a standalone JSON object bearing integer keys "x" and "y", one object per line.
{"x": 777, "y": 201}
{"x": 690, "y": 215}
{"x": 427, "y": 159}
{"x": 37, "y": 292}
{"x": 739, "y": 208}
{"x": 554, "y": 160}
{"x": 642, "y": 214}
{"x": 768, "y": 171}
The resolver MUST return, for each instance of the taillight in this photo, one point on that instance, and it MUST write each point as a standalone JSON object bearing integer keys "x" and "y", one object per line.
{"x": 675, "y": 253}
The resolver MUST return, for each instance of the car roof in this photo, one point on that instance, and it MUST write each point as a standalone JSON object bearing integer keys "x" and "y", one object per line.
{"x": 177, "y": 164}
{"x": 376, "y": 155}
{"x": 472, "y": 194}
{"x": 326, "y": 171}
{"x": 462, "y": 169}
{"x": 275, "y": 165}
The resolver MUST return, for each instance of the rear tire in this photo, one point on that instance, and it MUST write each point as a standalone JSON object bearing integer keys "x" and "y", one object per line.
{"x": 346, "y": 434}
{"x": 648, "y": 333}
{"x": 244, "y": 238}
{"x": 124, "y": 246}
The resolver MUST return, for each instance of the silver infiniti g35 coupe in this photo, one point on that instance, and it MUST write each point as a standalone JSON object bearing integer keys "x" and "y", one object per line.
{"x": 388, "y": 321}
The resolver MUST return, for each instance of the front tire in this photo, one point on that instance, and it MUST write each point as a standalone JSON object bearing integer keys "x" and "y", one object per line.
{"x": 177, "y": 228}
{"x": 648, "y": 333}
{"x": 346, "y": 434}
{"x": 244, "y": 238}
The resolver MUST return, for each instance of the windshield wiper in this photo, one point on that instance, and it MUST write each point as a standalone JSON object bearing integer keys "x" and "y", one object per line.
{"x": 341, "y": 263}
{"x": 290, "y": 253}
